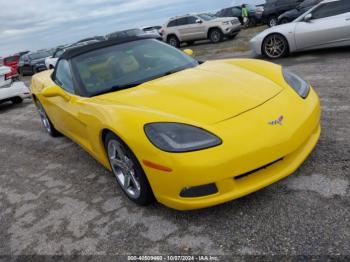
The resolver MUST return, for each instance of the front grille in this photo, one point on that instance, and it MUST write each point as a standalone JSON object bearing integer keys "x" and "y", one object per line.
{"x": 256, "y": 170}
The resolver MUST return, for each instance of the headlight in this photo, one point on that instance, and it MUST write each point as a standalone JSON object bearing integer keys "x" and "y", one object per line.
{"x": 298, "y": 84}
{"x": 175, "y": 137}
{"x": 226, "y": 23}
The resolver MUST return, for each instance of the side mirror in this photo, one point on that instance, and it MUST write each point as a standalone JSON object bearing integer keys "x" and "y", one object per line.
{"x": 308, "y": 18}
{"x": 188, "y": 52}
{"x": 198, "y": 21}
{"x": 54, "y": 91}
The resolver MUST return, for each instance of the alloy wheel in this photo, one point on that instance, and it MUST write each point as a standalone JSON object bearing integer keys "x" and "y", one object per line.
{"x": 215, "y": 36}
{"x": 44, "y": 119}
{"x": 275, "y": 46}
{"x": 123, "y": 169}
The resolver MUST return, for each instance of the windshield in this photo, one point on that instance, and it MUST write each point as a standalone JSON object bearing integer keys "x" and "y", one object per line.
{"x": 40, "y": 55}
{"x": 126, "y": 65}
{"x": 206, "y": 17}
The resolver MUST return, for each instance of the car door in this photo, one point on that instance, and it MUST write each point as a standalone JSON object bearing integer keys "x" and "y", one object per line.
{"x": 195, "y": 28}
{"x": 64, "y": 110}
{"x": 328, "y": 27}
{"x": 182, "y": 29}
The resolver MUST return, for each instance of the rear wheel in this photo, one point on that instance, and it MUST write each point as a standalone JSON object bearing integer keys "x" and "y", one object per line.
{"x": 275, "y": 46}
{"x": 215, "y": 35}
{"x": 127, "y": 170}
{"x": 173, "y": 41}
{"x": 46, "y": 121}
{"x": 272, "y": 21}
{"x": 17, "y": 100}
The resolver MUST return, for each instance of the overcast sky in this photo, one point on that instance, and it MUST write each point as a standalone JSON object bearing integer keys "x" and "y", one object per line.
{"x": 36, "y": 24}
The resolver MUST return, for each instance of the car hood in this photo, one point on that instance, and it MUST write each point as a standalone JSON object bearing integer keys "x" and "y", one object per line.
{"x": 207, "y": 94}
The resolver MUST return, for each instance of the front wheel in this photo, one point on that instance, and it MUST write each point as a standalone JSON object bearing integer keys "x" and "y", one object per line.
{"x": 46, "y": 121}
{"x": 216, "y": 35}
{"x": 127, "y": 170}
{"x": 275, "y": 46}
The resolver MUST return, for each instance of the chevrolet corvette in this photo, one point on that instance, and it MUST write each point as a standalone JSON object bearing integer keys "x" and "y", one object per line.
{"x": 187, "y": 133}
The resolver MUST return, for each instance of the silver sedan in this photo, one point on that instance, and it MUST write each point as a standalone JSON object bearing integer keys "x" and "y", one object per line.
{"x": 325, "y": 25}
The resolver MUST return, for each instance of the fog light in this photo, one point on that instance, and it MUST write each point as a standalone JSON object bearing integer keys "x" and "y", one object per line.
{"x": 199, "y": 191}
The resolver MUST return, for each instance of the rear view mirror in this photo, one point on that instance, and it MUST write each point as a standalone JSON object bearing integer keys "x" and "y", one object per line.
{"x": 188, "y": 52}
{"x": 308, "y": 18}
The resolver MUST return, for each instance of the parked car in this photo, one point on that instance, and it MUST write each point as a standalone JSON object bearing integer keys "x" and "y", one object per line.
{"x": 32, "y": 63}
{"x": 293, "y": 14}
{"x": 152, "y": 30}
{"x": 255, "y": 13}
{"x": 324, "y": 26}
{"x": 190, "y": 28}
{"x": 274, "y": 8}
{"x": 151, "y": 114}
{"x": 12, "y": 62}
{"x": 50, "y": 62}
{"x": 10, "y": 90}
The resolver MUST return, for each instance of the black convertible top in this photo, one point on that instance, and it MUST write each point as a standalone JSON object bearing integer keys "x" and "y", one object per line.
{"x": 70, "y": 53}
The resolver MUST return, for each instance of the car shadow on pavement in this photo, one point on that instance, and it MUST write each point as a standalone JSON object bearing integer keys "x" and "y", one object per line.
{"x": 4, "y": 107}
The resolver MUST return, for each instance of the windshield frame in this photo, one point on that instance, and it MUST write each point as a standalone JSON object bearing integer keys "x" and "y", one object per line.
{"x": 81, "y": 89}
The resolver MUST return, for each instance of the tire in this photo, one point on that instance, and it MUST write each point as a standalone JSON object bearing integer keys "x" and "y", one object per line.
{"x": 16, "y": 100}
{"x": 128, "y": 171}
{"x": 272, "y": 21}
{"x": 46, "y": 121}
{"x": 215, "y": 35}
{"x": 173, "y": 41}
{"x": 275, "y": 46}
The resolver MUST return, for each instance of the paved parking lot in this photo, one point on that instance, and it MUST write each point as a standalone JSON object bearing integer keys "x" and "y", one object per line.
{"x": 56, "y": 199}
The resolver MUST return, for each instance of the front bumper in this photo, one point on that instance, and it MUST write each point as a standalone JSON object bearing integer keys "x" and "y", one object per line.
{"x": 256, "y": 44}
{"x": 250, "y": 143}
{"x": 232, "y": 30}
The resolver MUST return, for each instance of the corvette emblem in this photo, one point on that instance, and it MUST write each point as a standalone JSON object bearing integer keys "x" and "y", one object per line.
{"x": 278, "y": 121}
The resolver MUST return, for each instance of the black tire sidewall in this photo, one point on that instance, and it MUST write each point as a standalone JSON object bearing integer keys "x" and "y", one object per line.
{"x": 174, "y": 38}
{"x": 146, "y": 195}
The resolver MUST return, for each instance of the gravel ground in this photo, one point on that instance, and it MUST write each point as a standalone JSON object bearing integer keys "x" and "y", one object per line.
{"x": 56, "y": 199}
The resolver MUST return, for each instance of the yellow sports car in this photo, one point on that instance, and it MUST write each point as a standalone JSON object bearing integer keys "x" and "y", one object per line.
{"x": 189, "y": 134}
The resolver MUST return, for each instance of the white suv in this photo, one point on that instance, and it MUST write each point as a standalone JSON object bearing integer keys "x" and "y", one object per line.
{"x": 190, "y": 28}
